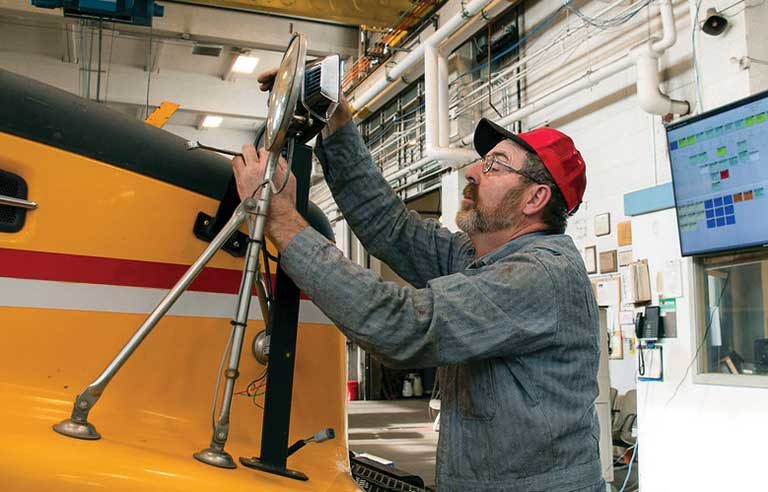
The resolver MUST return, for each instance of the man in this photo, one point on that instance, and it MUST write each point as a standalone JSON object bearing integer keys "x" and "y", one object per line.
{"x": 505, "y": 308}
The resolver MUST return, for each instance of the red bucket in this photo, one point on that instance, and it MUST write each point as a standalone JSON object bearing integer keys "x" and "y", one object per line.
{"x": 352, "y": 390}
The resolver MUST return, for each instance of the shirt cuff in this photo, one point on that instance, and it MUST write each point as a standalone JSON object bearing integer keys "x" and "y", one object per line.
{"x": 300, "y": 256}
{"x": 345, "y": 146}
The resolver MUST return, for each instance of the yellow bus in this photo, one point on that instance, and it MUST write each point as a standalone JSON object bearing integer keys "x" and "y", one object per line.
{"x": 97, "y": 217}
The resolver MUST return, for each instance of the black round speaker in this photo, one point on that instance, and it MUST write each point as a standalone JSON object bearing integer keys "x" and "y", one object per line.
{"x": 715, "y": 23}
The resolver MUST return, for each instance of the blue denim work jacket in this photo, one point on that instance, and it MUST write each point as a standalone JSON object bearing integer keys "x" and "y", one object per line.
{"x": 515, "y": 332}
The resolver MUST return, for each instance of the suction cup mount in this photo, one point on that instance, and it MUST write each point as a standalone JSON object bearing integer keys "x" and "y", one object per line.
{"x": 78, "y": 430}
{"x": 212, "y": 457}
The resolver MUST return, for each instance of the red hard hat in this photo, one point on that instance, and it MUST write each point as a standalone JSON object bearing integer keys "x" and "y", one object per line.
{"x": 555, "y": 149}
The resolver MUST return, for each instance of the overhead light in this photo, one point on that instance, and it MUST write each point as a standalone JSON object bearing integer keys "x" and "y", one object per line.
{"x": 245, "y": 64}
{"x": 211, "y": 121}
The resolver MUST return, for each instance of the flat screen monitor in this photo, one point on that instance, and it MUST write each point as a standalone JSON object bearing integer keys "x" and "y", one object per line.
{"x": 720, "y": 177}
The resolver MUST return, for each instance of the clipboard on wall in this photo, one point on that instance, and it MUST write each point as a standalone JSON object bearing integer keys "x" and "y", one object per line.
{"x": 650, "y": 363}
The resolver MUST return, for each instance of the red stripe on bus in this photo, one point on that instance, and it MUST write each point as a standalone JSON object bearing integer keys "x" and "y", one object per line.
{"x": 60, "y": 267}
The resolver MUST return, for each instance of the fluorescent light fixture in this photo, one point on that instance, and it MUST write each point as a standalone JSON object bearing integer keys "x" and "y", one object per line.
{"x": 245, "y": 64}
{"x": 211, "y": 121}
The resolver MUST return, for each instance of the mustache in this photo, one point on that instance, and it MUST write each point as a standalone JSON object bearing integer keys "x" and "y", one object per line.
{"x": 470, "y": 191}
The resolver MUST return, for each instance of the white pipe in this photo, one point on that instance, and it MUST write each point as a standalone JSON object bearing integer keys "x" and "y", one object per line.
{"x": 436, "y": 111}
{"x": 443, "y": 118}
{"x": 431, "y": 114}
{"x": 645, "y": 58}
{"x": 669, "y": 32}
{"x": 650, "y": 98}
{"x": 588, "y": 80}
{"x": 402, "y": 172}
{"x": 415, "y": 55}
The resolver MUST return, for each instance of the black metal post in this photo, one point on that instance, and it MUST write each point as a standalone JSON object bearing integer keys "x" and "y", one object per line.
{"x": 283, "y": 327}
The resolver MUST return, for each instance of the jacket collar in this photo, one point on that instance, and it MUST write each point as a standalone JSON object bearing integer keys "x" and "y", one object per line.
{"x": 507, "y": 249}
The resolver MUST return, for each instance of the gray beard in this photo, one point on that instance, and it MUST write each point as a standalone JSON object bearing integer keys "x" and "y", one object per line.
{"x": 470, "y": 221}
{"x": 475, "y": 219}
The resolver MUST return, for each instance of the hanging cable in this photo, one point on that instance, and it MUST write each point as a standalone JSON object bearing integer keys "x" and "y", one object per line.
{"x": 713, "y": 311}
{"x": 109, "y": 63}
{"x": 696, "y": 77}
{"x": 629, "y": 470}
{"x": 538, "y": 27}
{"x": 98, "y": 74}
{"x": 224, "y": 355}
{"x": 613, "y": 21}
{"x": 149, "y": 72}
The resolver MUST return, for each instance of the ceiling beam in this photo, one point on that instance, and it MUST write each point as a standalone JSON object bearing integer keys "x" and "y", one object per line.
{"x": 219, "y": 26}
{"x": 200, "y": 93}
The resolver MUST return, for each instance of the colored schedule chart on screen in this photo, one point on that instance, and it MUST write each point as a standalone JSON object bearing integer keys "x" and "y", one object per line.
{"x": 720, "y": 176}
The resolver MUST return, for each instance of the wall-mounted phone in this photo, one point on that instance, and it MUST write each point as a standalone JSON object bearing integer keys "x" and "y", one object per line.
{"x": 648, "y": 325}
{"x": 648, "y": 330}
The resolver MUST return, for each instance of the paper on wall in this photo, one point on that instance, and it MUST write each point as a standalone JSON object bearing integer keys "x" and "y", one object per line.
{"x": 671, "y": 279}
{"x": 608, "y": 292}
{"x": 626, "y": 317}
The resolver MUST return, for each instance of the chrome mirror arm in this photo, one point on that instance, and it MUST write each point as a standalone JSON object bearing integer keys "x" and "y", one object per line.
{"x": 77, "y": 425}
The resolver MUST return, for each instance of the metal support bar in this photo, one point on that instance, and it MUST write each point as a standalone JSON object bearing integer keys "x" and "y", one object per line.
{"x": 77, "y": 425}
{"x": 10, "y": 201}
{"x": 215, "y": 454}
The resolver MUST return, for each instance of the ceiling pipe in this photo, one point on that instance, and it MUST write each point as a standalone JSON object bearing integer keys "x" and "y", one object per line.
{"x": 650, "y": 97}
{"x": 645, "y": 58}
{"x": 414, "y": 56}
{"x": 436, "y": 111}
{"x": 464, "y": 32}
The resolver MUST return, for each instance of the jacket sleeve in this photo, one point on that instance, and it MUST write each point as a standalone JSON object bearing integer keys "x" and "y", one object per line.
{"x": 476, "y": 314}
{"x": 416, "y": 249}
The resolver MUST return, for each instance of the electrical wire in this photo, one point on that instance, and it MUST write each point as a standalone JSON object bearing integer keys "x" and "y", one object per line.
{"x": 613, "y": 21}
{"x": 746, "y": 6}
{"x": 267, "y": 274}
{"x": 227, "y": 348}
{"x": 538, "y": 27}
{"x": 558, "y": 39}
{"x": 149, "y": 72}
{"x": 90, "y": 60}
{"x": 390, "y": 141}
{"x": 629, "y": 470}
{"x": 252, "y": 391}
{"x": 695, "y": 357}
{"x": 109, "y": 63}
{"x": 696, "y": 76}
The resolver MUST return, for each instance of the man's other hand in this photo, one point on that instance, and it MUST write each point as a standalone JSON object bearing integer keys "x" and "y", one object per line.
{"x": 338, "y": 119}
{"x": 283, "y": 221}
{"x": 267, "y": 79}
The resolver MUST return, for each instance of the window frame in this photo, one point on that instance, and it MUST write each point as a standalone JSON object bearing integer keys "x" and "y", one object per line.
{"x": 699, "y": 318}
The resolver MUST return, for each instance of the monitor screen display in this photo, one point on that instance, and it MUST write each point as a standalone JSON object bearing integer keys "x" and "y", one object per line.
{"x": 720, "y": 177}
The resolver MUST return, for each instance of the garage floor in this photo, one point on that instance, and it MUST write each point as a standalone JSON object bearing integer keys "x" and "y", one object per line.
{"x": 399, "y": 430}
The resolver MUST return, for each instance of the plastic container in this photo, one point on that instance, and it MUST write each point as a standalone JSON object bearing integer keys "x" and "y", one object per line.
{"x": 352, "y": 387}
{"x": 418, "y": 388}
{"x": 407, "y": 388}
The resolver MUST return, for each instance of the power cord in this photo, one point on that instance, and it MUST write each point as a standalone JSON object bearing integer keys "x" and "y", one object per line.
{"x": 703, "y": 338}
{"x": 629, "y": 470}
{"x": 227, "y": 348}
{"x": 697, "y": 79}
